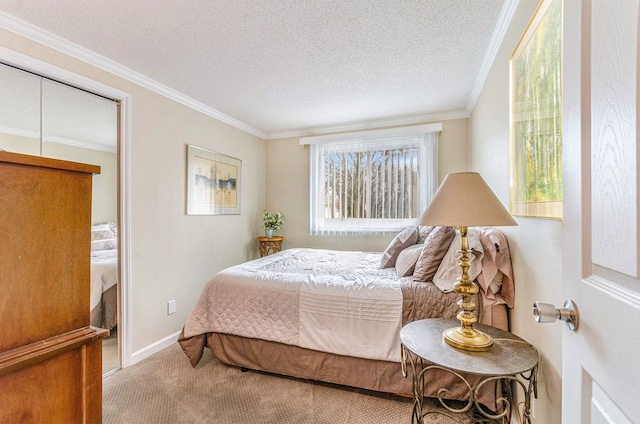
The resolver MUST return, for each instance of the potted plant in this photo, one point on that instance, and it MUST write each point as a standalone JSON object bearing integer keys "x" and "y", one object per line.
{"x": 272, "y": 222}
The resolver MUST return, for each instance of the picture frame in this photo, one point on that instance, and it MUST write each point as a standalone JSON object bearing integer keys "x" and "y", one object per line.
{"x": 213, "y": 182}
{"x": 535, "y": 73}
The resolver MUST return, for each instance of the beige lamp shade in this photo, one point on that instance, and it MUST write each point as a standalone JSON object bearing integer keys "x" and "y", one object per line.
{"x": 465, "y": 199}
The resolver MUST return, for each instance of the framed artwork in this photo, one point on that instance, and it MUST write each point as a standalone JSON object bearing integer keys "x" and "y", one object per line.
{"x": 213, "y": 183}
{"x": 536, "y": 116}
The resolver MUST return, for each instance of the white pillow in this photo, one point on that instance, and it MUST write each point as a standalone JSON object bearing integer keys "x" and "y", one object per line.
{"x": 102, "y": 232}
{"x": 106, "y": 244}
{"x": 404, "y": 239}
{"x": 406, "y": 262}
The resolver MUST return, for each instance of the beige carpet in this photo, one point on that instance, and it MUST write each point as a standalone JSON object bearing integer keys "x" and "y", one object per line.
{"x": 164, "y": 388}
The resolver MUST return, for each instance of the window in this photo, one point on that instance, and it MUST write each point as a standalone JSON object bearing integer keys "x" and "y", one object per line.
{"x": 376, "y": 184}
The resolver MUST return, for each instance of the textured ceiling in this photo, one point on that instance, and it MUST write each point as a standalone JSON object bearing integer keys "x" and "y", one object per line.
{"x": 282, "y": 66}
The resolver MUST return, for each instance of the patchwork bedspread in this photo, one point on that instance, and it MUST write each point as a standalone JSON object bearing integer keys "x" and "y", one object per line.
{"x": 332, "y": 301}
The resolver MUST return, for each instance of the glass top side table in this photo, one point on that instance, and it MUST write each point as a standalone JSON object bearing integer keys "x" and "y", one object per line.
{"x": 511, "y": 359}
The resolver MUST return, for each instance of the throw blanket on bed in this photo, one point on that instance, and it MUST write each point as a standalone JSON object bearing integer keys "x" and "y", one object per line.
{"x": 331, "y": 301}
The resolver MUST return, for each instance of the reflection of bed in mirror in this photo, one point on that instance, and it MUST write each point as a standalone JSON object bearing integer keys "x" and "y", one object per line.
{"x": 104, "y": 275}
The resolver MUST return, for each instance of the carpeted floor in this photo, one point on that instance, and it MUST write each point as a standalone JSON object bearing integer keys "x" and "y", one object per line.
{"x": 164, "y": 388}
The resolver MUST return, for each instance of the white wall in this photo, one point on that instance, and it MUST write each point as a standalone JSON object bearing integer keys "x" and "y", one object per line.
{"x": 173, "y": 255}
{"x": 287, "y": 187}
{"x": 535, "y": 244}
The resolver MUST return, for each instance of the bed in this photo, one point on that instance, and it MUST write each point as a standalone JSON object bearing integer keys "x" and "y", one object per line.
{"x": 104, "y": 276}
{"x": 335, "y": 316}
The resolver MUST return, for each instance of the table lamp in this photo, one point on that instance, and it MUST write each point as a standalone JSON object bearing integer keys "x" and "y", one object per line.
{"x": 465, "y": 200}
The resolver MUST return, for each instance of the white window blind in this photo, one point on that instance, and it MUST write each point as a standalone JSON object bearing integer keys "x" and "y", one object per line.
{"x": 371, "y": 185}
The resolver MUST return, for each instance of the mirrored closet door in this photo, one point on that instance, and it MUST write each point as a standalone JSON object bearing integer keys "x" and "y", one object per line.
{"x": 19, "y": 111}
{"x": 42, "y": 117}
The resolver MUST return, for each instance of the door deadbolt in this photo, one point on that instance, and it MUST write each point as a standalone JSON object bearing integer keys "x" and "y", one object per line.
{"x": 546, "y": 312}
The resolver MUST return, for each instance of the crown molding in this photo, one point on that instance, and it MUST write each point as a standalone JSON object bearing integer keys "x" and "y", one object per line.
{"x": 53, "y": 41}
{"x": 20, "y": 132}
{"x": 56, "y": 139}
{"x": 370, "y": 125}
{"x": 504, "y": 20}
{"x": 406, "y": 131}
{"x": 78, "y": 143}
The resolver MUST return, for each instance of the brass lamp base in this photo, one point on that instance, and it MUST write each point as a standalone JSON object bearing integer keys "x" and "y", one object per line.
{"x": 468, "y": 339}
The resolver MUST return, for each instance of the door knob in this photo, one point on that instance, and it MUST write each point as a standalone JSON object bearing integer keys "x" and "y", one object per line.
{"x": 546, "y": 312}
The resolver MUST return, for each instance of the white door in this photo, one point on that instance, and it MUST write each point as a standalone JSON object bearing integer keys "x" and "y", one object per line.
{"x": 601, "y": 250}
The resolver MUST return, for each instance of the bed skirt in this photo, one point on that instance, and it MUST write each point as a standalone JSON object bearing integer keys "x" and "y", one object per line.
{"x": 294, "y": 361}
{"x": 105, "y": 314}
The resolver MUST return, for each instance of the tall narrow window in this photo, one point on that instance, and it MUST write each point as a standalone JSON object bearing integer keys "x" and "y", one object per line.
{"x": 371, "y": 185}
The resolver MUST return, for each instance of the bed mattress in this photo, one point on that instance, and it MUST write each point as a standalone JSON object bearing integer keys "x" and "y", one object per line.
{"x": 325, "y": 300}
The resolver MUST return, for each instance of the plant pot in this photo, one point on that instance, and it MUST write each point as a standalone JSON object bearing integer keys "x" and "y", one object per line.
{"x": 269, "y": 232}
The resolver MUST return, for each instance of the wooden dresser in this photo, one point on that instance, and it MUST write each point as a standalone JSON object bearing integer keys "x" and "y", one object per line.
{"x": 50, "y": 358}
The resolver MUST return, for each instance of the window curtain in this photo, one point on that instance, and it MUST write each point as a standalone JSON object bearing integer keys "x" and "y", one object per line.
{"x": 371, "y": 185}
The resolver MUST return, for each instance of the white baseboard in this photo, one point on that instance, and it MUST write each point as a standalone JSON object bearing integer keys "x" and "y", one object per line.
{"x": 156, "y": 347}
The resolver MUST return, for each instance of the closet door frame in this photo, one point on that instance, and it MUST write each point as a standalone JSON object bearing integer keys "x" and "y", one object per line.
{"x": 48, "y": 70}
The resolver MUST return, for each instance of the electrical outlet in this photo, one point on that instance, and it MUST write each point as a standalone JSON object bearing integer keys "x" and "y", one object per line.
{"x": 171, "y": 307}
